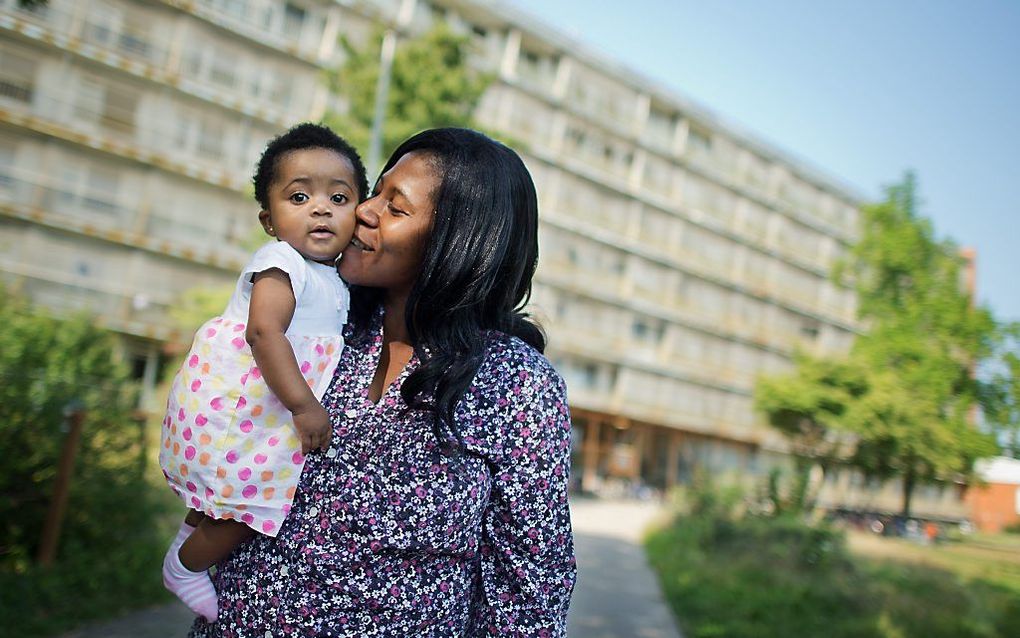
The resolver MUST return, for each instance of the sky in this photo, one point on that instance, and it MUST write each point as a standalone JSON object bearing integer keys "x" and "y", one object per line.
{"x": 862, "y": 91}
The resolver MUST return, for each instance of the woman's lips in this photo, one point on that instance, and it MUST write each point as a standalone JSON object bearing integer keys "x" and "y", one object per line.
{"x": 357, "y": 243}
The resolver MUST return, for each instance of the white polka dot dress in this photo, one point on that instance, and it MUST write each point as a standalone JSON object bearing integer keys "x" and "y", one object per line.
{"x": 229, "y": 447}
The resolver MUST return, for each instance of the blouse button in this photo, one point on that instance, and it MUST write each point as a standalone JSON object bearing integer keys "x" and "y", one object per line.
{"x": 331, "y": 453}
{"x": 313, "y": 511}
{"x": 351, "y": 413}
{"x": 284, "y": 570}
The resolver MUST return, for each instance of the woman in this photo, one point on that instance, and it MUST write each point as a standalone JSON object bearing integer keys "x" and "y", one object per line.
{"x": 440, "y": 508}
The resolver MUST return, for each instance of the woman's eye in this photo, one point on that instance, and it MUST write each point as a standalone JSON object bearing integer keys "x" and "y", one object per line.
{"x": 395, "y": 210}
{"x": 339, "y": 199}
{"x": 299, "y": 198}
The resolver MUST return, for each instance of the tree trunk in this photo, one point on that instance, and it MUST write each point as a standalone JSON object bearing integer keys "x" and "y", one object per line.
{"x": 909, "y": 481}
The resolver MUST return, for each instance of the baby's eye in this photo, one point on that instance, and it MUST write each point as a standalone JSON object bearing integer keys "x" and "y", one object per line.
{"x": 299, "y": 198}
{"x": 339, "y": 198}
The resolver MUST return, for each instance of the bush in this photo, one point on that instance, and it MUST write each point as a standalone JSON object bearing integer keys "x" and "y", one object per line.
{"x": 730, "y": 573}
{"x": 110, "y": 538}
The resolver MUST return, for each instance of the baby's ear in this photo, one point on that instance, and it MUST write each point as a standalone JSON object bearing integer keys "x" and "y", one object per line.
{"x": 267, "y": 223}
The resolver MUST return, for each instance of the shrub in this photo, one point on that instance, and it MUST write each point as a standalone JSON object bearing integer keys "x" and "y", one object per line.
{"x": 730, "y": 572}
{"x": 109, "y": 551}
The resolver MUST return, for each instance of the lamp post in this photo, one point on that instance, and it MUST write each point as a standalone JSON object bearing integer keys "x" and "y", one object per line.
{"x": 382, "y": 86}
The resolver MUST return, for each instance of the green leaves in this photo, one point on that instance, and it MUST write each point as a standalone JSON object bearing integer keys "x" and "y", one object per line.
{"x": 45, "y": 363}
{"x": 906, "y": 392}
{"x": 431, "y": 85}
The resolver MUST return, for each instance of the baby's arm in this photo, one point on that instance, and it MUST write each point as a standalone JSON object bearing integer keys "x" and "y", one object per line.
{"x": 269, "y": 313}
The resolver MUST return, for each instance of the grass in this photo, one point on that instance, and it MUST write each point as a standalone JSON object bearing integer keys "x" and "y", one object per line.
{"x": 761, "y": 577}
{"x": 995, "y": 559}
{"x": 90, "y": 581}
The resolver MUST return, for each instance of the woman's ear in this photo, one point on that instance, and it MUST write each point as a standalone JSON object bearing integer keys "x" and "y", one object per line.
{"x": 267, "y": 223}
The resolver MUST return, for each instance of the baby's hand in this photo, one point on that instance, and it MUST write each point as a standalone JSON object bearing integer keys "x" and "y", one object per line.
{"x": 313, "y": 427}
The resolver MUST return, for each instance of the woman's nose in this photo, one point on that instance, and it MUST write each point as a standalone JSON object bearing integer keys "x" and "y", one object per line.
{"x": 366, "y": 213}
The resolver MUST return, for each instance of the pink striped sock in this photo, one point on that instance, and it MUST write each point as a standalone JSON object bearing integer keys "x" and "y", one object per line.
{"x": 183, "y": 533}
{"x": 193, "y": 588}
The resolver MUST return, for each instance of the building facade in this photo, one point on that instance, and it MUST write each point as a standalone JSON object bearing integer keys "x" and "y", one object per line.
{"x": 680, "y": 256}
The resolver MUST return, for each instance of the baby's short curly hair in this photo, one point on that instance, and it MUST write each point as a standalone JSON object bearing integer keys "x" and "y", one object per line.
{"x": 302, "y": 136}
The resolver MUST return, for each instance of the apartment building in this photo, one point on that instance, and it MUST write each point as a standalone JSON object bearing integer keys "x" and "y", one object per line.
{"x": 680, "y": 255}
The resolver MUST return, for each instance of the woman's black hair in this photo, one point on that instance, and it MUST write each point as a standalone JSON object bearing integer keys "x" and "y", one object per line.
{"x": 476, "y": 271}
{"x": 303, "y": 136}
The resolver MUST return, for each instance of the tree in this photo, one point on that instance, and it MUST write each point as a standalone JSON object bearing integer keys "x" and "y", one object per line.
{"x": 1001, "y": 390}
{"x": 925, "y": 338}
{"x": 912, "y": 372}
{"x": 431, "y": 85}
{"x": 808, "y": 405}
{"x": 45, "y": 363}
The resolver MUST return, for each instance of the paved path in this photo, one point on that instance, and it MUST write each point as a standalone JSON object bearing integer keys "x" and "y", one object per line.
{"x": 163, "y": 621}
{"x": 617, "y": 596}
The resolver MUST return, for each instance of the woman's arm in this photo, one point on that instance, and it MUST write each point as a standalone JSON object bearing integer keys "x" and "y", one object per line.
{"x": 269, "y": 314}
{"x": 527, "y": 551}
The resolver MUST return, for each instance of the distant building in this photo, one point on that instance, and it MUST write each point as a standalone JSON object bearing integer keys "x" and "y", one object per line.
{"x": 680, "y": 256}
{"x": 995, "y": 502}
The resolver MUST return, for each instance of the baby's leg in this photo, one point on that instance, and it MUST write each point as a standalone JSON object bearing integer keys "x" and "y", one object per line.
{"x": 185, "y": 571}
{"x": 213, "y": 540}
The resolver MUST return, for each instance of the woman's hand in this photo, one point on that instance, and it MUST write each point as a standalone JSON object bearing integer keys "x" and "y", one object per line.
{"x": 313, "y": 427}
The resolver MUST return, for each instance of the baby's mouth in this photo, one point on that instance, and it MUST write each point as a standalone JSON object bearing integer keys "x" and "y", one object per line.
{"x": 321, "y": 232}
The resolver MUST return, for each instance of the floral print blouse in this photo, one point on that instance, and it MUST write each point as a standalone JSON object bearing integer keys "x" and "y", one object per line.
{"x": 393, "y": 535}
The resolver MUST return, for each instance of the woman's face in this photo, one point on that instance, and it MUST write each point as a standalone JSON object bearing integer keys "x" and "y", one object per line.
{"x": 392, "y": 227}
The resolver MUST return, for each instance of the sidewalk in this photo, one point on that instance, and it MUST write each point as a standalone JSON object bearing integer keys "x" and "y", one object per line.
{"x": 163, "y": 621}
{"x": 617, "y": 595}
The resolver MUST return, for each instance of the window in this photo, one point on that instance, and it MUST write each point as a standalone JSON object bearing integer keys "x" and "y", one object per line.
{"x": 17, "y": 77}
{"x": 658, "y": 228}
{"x": 647, "y": 329}
{"x": 134, "y": 41}
{"x": 6, "y": 165}
{"x": 119, "y": 109}
{"x": 210, "y": 139}
{"x": 235, "y": 8}
{"x": 86, "y": 190}
{"x": 37, "y": 9}
{"x": 651, "y": 281}
{"x": 536, "y": 69}
{"x": 293, "y": 19}
{"x": 102, "y": 24}
{"x": 89, "y": 99}
{"x": 659, "y": 176}
{"x": 699, "y": 141}
{"x": 101, "y": 190}
{"x": 659, "y": 129}
{"x": 810, "y": 328}
{"x": 223, "y": 68}
{"x": 757, "y": 175}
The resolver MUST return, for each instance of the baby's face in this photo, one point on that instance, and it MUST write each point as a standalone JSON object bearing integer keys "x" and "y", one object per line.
{"x": 311, "y": 203}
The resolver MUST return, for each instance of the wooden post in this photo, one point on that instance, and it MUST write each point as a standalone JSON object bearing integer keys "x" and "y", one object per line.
{"x": 641, "y": 436}
{"x": 672, "y": 460}
{"x": 75, "y": 415}
{"x": 591, "y": 453}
